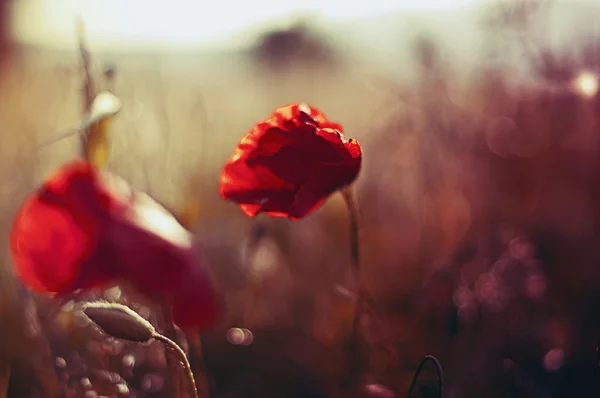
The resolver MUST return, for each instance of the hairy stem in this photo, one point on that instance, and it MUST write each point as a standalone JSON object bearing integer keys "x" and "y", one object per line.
{"x": 183, "y": 358}
{"x": 170, "y": 332}
{"x": 350, "y": 200}
{"x": 438, "y": 369}
{"x": 355, "y": 349}
{"x": 255, "y": 238}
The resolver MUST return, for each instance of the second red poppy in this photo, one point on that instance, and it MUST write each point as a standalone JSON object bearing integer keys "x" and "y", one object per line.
{"x": 289, "y": 164}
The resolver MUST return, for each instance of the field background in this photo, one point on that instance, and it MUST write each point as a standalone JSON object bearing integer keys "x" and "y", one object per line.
{"x": 479, "y": 206}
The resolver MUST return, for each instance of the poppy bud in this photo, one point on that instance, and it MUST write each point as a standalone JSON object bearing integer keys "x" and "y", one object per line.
{"x": 119, "y": 321}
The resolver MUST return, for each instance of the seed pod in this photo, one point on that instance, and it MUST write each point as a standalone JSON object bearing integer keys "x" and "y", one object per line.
{"x": 119, "y": 321}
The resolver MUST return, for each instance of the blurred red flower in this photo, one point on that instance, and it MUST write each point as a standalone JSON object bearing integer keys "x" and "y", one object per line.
{"x": 85, "y": 228}
{"x": 288, "y": 165}
{"x": 160, "y": 257}
{"x": 56, "y": 240}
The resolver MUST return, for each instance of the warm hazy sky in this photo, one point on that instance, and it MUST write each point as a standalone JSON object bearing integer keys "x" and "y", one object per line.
{"x": 127, "y": 23}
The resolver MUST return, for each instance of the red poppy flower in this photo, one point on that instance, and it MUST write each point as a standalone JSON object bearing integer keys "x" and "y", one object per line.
{"x": 288, "y": 165}
{"x": 56, "y": 240}
{"x": 162, "y": 259}
{"x": 84, "y": 228}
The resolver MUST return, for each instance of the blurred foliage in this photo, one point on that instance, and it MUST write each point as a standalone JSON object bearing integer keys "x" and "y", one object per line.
{"x": 301, "y": 44}
{"x": 479, "y": 217}
{"x": 4, "y": 28}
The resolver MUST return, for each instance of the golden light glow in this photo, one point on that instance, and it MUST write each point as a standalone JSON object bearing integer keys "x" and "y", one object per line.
{"x": 147, "y": 213}
{"x": 586, "y": 84}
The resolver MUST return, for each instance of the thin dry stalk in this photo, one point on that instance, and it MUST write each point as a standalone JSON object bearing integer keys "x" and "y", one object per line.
{"x": 88, "y": 90}
{"x": 94, "y": 142}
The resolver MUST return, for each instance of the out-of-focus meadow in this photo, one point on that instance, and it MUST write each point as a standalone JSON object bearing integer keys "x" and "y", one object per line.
{"x": 479, "y": 201}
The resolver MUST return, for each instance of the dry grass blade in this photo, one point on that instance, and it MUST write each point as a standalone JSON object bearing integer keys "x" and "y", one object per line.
{"x": 95, "y": 141}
